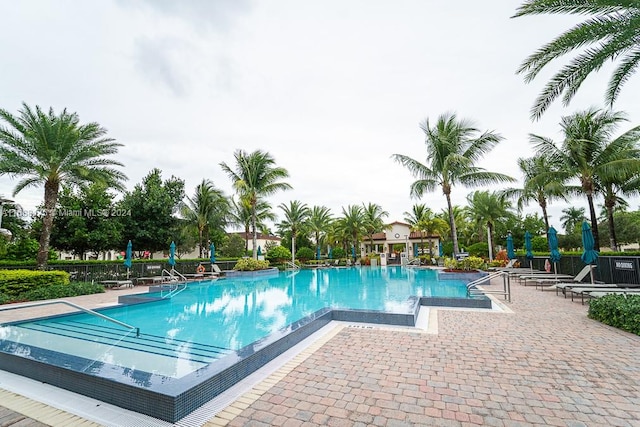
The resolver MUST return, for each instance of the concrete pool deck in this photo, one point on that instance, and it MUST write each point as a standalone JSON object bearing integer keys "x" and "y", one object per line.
{"x": 541, "y": 363}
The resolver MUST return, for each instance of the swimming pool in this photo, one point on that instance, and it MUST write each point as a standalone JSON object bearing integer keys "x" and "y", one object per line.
{"x": 210, "y": 335}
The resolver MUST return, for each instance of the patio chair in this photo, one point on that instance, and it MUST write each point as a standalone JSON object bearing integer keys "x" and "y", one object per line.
{"x": 547, "y": 281}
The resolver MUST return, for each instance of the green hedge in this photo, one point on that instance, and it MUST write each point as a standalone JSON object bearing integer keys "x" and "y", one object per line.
{"x": 16, "y": 282}
{"x": 620, "y": 311}
{"x": 55, "y": 291}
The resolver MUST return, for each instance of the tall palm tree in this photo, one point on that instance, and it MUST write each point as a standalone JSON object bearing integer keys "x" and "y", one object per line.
{"x": 241, "y": 214}
{"x": 611, "y": 191}
{"x": 296, "y": 215}
{"x": 453, "y": 148}
{"x": 352, "y": 224}
{"x": 536, "y": 189}
{"x": 611, "y": 33}
{"x": 588, "y": 153}
{"x": 429, "y": 224}
{"x": 486, "y": 209}
{"x": 206, "y": 209}
{"x": 413, "y": 217}
{"x": 54, "y": 150}
{"x": 255, "y": 176}
{"x": 318, "y": 223}
{"x": 572, "y": 218}
{"x": 374, "y": 217}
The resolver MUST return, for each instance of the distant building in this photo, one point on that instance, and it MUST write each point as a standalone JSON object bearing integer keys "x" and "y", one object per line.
{"x": 398, "y": 239}
{"x": 261, "y": 241}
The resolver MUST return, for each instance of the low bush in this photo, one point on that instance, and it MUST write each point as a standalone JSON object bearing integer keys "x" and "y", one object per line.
{"x": 250, "y": 264}
{"x": 53, "y": 292}
{"x": 17, "y": 282}
{"x": 620, "y": 311}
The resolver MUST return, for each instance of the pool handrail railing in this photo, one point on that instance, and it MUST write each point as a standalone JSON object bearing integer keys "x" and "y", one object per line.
{"x": 71, "y": 304}
{"x": 472, "y": 288}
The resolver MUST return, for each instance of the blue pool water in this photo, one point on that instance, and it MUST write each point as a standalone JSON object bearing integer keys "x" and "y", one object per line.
{"x": 207, "y": 328}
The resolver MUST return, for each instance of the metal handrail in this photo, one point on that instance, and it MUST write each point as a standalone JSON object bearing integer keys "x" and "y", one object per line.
{"x": 291, "y": 264}
{"x": 506, "y": 282}
{"x": 170, "y": 273}
{"x": 79, "y": 307}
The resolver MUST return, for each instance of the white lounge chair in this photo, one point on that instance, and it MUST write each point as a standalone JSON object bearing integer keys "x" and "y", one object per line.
{"x": 546, "y": 281}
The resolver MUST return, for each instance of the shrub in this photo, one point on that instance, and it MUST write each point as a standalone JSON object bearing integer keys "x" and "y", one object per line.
{"x": 250, "y": 264}
{"x": 619, "y": 311}
{"x": 305, "y": 254}
{"x": 480, "y": 249}
{"x": 469, "y": 263}
{"x": 16, "y": 282}
{"x": 61, "y": 291}
{"x": 338, "y": 253}
{"x": 278, "y": 254}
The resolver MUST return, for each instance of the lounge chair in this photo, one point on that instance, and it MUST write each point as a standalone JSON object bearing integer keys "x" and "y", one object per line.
{"x": 588, "y": 290}
{"x": 547, "y": 281}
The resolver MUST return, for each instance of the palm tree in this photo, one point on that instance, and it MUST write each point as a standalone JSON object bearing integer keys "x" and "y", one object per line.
{"x": 535, "y": 189}
{"x": 429, "y": 224}
{"x": 255, "y": 176}
{"x": 352, "y": 224}
{"x": 588, "y": 154}
{"x": 240, "y": 214}
{"x": 413, "y": 217}
{"x": 453, "y": 150}
{"x": 206, "y": 209}
{"x": 55, "y": 150}
{"x": 318, "y": 223}
{"x": 486, "y": 209}
{"x": 374, "y": 217}
{"x": 295, "y": 218}
{"x": 610, "y": 190}
{"x": 572, "y": 218}
{"x": 611, "y": 33}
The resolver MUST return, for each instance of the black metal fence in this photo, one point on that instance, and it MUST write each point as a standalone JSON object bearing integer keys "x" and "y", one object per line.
{"x": 610, "y": 269}
{"x": 98, "y": 272}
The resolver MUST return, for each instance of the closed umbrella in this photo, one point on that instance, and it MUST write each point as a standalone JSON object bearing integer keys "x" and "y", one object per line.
{"x": 259, "y": 251}
{"x": 127, "y": 258}
{"x": 552, "y": 238}
{"x": 172, "y": 255}
{"x": 590, "y": 255}
{"x": 212, "y": 253}
{"x": 510, "y": 251}
{"x": 353, "y": 252}
{"x": 330, "y": 254}
{"x": 527, "y": 246}
{"x": 318, "y": 252}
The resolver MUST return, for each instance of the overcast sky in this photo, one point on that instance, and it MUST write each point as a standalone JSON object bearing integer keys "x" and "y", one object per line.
{"x": 330, "y": 88}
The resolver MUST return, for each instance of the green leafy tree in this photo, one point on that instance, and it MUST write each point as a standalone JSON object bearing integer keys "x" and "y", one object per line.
{"x": 86, "y": 221}
{"x": 453, "y": 149}
{"x": 572, "y": 218}
{"x": 153, "y": 204}
{"x": 627, "y": 227}
{"x": 430, "y": 224}
{"x": 296, "y": 215}
{"x": 318, "y": 224}
{"x": 55, "y": 150}
{"x": 233, "y": 247}
{"x": 589, "y": 155}
{"x": 278, "y": 254}
{"x": 611, "y": 33}
{"x": 254, "y": 177}
{"x": 486, "y": 209}
{"x": 351, "y": 225}
{"x": 535, "y": 189}
{"x": 612, "y": 188}
{"x": 305, "y": 254}
{"x": 205, "y": 211}
{"x": 241, "y": 215}
{"x": 374, "y": 216}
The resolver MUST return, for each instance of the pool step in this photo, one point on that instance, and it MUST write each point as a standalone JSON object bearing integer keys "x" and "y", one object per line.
{"x": 99, "y": 337}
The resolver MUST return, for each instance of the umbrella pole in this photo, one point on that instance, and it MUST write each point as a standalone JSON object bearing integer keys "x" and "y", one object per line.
{"x": 555, "y": 268}
{"x": 591, "y": 273}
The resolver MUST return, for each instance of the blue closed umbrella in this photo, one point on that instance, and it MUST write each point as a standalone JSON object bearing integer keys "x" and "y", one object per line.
{"x": 172, "y": 255}
{"x": 440, "y": 250}
{"x": 127, "y": 258}
{"x": 590, "y": 255}
{"x": 330, "y": 254}
{"x": 318, "y": 252}
{"x": 259, "y": 252}
{"x": 527, "y": 246}
{"x": 212, "y": 253}
{"x": 415, "y": 250}
{"x": 510, "y": 252}
{"x": 552, "y": 237}
{"x": 353, "y": 252}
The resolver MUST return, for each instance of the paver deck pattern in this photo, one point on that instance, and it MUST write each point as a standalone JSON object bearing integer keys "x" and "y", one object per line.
{"x": 545, "y": 364}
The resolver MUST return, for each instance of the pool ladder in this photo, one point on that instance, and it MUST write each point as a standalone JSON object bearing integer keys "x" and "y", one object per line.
{"x": 473, "y": 290}
{"x": 79, "y": 307}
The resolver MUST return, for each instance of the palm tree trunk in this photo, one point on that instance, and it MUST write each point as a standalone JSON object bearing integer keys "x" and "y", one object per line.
{"x": 545, "y": 215}
{"x": 50, "y": 200}
{"x": 247, "y": 229}
{"x": 293, "y": 246}
{"x": 613, "y": 241}
{"x": 594, "y": 221}
{"x": 490, "y": 233}
{"x": 253, "y": 226}
{"x": 452, "y": 225}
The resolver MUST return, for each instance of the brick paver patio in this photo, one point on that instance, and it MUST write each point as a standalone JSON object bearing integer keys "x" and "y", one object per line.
{"x": 544, "y": 364}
